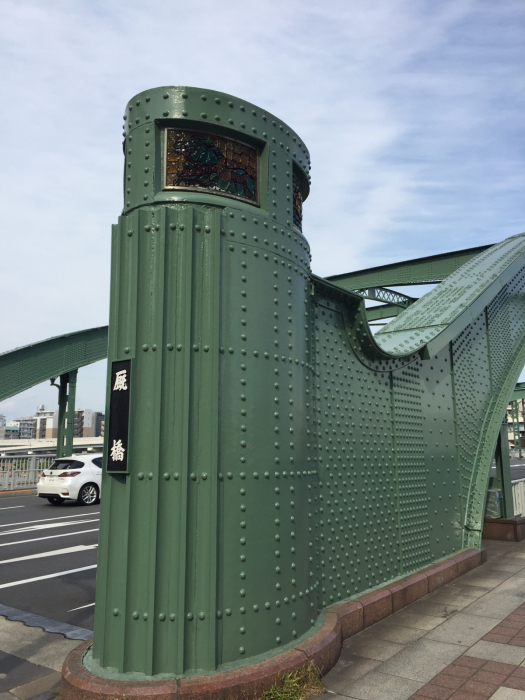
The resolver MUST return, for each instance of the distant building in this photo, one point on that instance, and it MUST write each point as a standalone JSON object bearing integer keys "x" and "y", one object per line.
{"x": 2, "y": 421}
{"x": 44, "y": 422}
{"x": 87, "y": 423}
{"x": 11, "y": 432}
{"x": 44, "y": 425}
{"x": 26, "y": 427}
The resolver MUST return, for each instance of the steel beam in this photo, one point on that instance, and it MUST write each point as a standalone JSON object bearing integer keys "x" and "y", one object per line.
{"x": 24, "y": 367}
{"x": 428, "y": 270}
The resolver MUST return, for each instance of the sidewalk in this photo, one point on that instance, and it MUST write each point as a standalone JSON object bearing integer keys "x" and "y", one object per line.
{"x": 466, "y": 641}
{"x": 31, "y": 661}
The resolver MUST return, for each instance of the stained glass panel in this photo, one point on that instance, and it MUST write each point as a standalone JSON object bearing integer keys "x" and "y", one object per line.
{"x": 211, "y": 162}
{"x": 297, "y": 203}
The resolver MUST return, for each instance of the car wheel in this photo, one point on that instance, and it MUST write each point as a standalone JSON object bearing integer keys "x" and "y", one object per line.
{"x": 55, "y": 500}
{"x": 88, "y": 495}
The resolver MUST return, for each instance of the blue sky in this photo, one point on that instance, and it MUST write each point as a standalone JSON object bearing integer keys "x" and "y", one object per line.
{"x": 412, "y": 111}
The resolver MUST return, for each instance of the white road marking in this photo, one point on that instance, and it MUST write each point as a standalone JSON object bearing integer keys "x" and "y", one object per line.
{"x": 89, "y": 605}
{"x": 53, "y": 553}
{"x": 46, "y": 527}
{"x": 11, "y": 507}
{"x": 49, "y": 537}
{"x": 41, "y": 578}
{"x": 46, "y": 520}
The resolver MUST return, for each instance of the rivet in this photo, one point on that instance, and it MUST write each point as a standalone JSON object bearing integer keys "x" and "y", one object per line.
{"x": 115, "y": 612}
{"x": 169, "y": 346}
{"x": 135, "y": 615}
{"x": 126, "y": 350}
{"x": 140, "y": 476}
{"x": 166, "y": 476}
{"x": 145, "y": 616}
{"x": 162, "y": 617}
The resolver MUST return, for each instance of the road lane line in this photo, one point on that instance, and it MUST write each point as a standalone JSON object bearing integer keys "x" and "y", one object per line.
{"x": 41, "y": 578}
{"x": 53, "y": 553}
{"x": 49, "y": 537}
{"x": 46, "y": 527}
{"x": 89, "y": 605}
{"x": 11, "y": 507}
{"x": 46, "y": 520}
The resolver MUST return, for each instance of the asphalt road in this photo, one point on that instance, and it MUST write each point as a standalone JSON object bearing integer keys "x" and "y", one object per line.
{"x": 517, "y": 469}
{"x": 48, "y": 558}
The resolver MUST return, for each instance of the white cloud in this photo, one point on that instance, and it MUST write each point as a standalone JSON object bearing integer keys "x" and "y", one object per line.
{"x": 411, "y": 111}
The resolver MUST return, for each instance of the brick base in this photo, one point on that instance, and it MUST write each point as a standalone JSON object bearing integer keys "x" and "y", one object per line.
{"x": 509, "y": 529}
{"x": 323, "y": 648}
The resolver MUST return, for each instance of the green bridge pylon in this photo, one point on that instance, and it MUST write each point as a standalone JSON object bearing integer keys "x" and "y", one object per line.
{"x": 278, "y": 458}
{"x": 266, "y": 456}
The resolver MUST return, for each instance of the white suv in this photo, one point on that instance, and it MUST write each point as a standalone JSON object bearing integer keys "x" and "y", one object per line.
{"x": 75, "y": 478}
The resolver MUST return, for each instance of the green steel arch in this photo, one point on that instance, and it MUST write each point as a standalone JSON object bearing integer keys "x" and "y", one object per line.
{"x": 24, "y": 367}
{"x": 475, "y": 319}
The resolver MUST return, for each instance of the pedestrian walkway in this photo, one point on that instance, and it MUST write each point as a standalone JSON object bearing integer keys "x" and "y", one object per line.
{"x": 31, "y": 661}
{"x": 465, "y": 641}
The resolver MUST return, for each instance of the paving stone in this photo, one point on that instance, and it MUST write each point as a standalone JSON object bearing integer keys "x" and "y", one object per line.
{"x": 422, "y": 660}
{"x": 445, "y": 680}
{"x": 466, "y": 589}
{"x": 483, "y": 676}
{"x": 508, "y": 694}
{"x": 492, "y": 651}
{"x": 476, "y": 688}
{"x": 462, "y": 629}
{"x": 490, "y": 579}
{"x": 350, "y": 667}
{"x": 434, "y": 692}
{"x": 428, "y": 607}
{"x": 495, "y": 605}
{"x": 516, "y": 682}
{"x": 506, "y": 564}
{"x": 450, "y": 597}
{"x": 410, "y": 619}
{"x": 49, "y": 683}
{"x": 372, "y": 647}
{"x": 397, "y": 633}
{"x": 497, "y": 666}
{"x": 16, "y": 671}
{"x": 35, "y": 645}
{"x": 378, "y": 686}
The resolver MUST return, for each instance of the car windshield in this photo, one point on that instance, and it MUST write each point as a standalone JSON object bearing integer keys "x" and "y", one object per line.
{"x": 66, "y": 464}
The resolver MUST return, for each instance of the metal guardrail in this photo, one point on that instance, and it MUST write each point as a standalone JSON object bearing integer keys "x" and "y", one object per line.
{"x": 22, "y": 471}
{"x": 518, "y": 496}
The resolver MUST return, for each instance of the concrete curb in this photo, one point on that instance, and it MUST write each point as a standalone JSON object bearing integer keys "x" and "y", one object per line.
{"x": 323, "y": 648}
{"x": 21, "y": 492}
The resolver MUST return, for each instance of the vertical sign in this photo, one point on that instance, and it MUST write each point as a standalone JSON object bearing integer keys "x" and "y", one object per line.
{"x": 119, "y": 416}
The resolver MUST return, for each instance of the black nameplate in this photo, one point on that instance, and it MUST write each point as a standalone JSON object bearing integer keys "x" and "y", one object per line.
{"x": 119, "y": 416}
